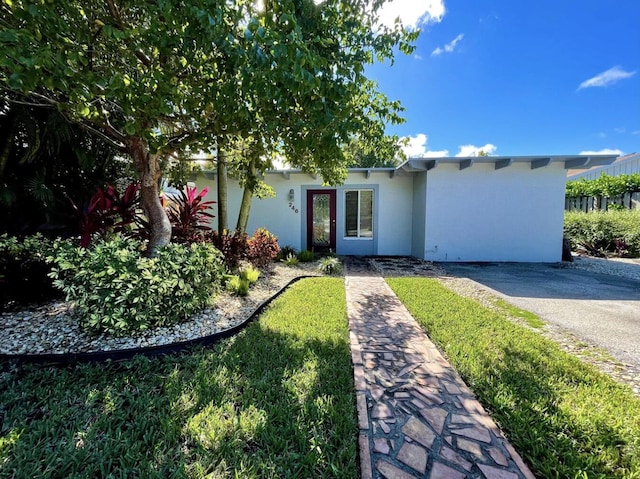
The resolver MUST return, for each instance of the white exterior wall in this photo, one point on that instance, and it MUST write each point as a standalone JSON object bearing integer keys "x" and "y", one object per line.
{"x": 392, "y": 210}
{"x": 419, "y": 215}
{"x": 483, "y": 214}
{"x": 395, "y": 214}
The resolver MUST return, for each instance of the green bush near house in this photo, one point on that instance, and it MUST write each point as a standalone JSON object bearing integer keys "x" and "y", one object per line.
{"x": 291, "y": 260}
{"x": 285, "y": 252}
{"x": 117, "y": 290}
{"x": 602, "y": 232}
{"x": 250, "y": 274}
{"x": 238, "y": 285}
{"x": 306, "y": 256}
{"x": 330, "y": 265}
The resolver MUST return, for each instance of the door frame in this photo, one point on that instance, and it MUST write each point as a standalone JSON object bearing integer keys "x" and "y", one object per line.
{"x": 332, "y": 220}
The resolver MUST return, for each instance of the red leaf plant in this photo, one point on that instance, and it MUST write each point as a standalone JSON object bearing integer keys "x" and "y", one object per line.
{"x": 107, "y": 211}
{"x": 189, "y": 215}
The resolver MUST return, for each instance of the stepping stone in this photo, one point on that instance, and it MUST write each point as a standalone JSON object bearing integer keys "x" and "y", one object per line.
{"x": 413, "y": 456}
{"x": 384, "y": 426}
{"x": 418, "y": 431}
{"x": 435, "y": 417}
{"x": 461, "y": 419}
{"x": 470, "y": 446}
{"x": 452, "y": 456}
{"x": 381, "y": 445}
{"x": 474, "y": 433}
{"x": 389, "y": 471}
{"x": 440, "y": 471}
{"x": 497, "y": 456}
{"x": 451, "y": 388}
{"x": 491, "y": 472}
{"x": 408, "y": 369}
{"x": 376, "y": 392}
{"x": 381, "y": 410}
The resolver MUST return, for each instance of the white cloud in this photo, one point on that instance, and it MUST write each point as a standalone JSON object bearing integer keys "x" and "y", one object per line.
{"x": 472, "y": 150}
{"x": 417, "y": 57}
{"x": 435, "y": 154}
{"x": 609, "y": 77}
{"x": 604, "y": 151}
{"x": 412, "y": 13}
{"x": 416, "y": 147}
{"x": 449, "y": 47}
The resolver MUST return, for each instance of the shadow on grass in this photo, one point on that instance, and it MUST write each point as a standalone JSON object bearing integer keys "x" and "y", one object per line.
{"x": 265, "y": 403}
{"x": 563, "y": 418}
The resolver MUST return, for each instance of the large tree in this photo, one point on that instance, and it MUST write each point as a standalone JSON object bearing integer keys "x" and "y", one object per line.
{"x": 155, "y": 77}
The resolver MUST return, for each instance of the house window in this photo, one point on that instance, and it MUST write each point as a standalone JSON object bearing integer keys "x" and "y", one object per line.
{"x": 358, "y": 213}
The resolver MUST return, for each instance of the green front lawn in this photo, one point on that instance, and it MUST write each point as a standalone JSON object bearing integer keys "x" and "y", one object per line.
{"x": 567, "y": 419}
{"x": 276, "y": 400}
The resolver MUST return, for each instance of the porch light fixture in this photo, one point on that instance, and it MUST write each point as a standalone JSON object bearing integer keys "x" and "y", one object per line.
{"x": 291, "y": 194}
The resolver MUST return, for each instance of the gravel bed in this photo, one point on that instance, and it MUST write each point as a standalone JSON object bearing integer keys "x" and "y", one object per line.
{"x": 52, "y": 329}
{"x": 624, "y": 267}
{"x": 569, "y": 342}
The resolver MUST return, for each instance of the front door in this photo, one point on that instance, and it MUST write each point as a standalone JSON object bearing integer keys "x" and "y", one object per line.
{"x": 321, "y": 221}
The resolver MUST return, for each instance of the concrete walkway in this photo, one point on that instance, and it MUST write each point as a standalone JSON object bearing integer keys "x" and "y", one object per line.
{"x": 417, "y": 418}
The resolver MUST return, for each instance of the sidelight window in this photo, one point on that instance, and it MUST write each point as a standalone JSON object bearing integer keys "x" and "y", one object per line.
{"x": 359, "y": 214}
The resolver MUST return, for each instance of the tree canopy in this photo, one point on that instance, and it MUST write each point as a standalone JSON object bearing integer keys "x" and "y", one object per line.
{"x": 156, "y": 78}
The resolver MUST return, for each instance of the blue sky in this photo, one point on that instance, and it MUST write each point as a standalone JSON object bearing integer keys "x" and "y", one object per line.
{"x": 517, "y": 78}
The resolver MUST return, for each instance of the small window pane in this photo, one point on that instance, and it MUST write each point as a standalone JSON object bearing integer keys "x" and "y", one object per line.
{"x": 366, "y": 214}
{"x": 351, "y": 214}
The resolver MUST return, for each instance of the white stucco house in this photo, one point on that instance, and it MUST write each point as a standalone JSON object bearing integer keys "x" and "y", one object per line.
{"x": 439, "y": 209}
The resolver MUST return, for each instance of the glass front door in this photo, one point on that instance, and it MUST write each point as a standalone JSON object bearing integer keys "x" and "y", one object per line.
{"x": 321, "y": 220}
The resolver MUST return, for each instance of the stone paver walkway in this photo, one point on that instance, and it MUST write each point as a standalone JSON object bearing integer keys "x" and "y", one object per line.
{"x": 417, "y": 418}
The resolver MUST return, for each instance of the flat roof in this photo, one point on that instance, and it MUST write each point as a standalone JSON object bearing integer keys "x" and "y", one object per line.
{"x": 538, "y": 161}
{"x": 415, "y": 165}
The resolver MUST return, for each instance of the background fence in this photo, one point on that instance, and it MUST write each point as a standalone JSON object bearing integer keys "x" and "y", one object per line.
{"x": 629, "y": 200}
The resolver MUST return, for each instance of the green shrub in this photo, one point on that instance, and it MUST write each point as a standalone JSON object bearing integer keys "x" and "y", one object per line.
{"x": 262, "y": 248}
{"x": 285, "y": 252}
{"x": 250, "y": 274}
{"x": 306, "y": 256}
{"x": 117, "y": 290}
{"x": 24, "y": 272}
{"x": 238, "y": 285}
{"x": 291, "y": 260}
{"x": 605, "y": 185}
{"x": 330, "y": 265}
{"x": 601, "y": 232}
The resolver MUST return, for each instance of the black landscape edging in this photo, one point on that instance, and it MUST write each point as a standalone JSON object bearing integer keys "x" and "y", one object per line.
{"x": 64, "y": 359}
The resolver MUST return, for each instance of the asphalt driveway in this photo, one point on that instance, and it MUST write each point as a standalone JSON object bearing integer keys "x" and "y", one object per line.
{"x": 601, "y": 309}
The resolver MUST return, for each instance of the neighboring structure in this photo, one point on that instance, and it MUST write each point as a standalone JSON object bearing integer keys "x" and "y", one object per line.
{"x": 438, "y": 209}
{"x": 623, "y": 165}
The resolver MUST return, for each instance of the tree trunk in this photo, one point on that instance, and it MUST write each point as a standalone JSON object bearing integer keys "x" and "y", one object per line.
{"x": 247, "y": 195}
{"x": 149, "y": 173}
{"x": 245, "y": 207}
{"x": 223, "y": 224}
